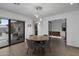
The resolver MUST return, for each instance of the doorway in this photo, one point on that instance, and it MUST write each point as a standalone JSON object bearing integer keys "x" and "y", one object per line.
{"x": 57, "y": 29}
{"x": 36, "y": 29}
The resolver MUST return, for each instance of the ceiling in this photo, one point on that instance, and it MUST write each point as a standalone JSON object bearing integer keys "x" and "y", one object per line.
{"x": 48, "y": 9}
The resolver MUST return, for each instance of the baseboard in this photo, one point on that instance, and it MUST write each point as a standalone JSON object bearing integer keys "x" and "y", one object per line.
{"x": 72, "y": 46}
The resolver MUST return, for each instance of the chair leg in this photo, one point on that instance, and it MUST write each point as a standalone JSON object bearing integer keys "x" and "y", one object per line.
{"x": 30, "y": 52}
{"x": 27, "y": 50}
{"x": 33, "y": 50}
{"x": 49, "y": 48}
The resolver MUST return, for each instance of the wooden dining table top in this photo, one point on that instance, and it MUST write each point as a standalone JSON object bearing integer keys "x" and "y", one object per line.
{"x": 38, "y": 38}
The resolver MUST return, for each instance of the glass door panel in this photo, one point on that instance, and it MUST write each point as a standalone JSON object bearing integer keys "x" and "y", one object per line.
{"x": 17, "y": 31}
{"x": 4, "y": 32}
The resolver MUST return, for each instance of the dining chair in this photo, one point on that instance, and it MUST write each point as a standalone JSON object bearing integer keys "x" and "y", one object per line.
{"x": 46, "y": 45}
{"x": 32, "y": 46}
{"x": 29, "y": 46}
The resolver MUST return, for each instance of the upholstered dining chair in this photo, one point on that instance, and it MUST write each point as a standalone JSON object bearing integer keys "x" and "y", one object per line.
{"x": 46, "y": 44}
{"x": 32, "y": 45}
{"x": 29, "y": 44}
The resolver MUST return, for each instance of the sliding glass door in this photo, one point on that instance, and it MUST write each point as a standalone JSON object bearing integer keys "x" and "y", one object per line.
{"x": 11, "y": 32}
{"x": 4, "y": 32}
{"x": 17, "y": 31}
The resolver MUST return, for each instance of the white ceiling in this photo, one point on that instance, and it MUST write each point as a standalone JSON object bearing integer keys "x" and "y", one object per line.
{"x": 48, "y": 9}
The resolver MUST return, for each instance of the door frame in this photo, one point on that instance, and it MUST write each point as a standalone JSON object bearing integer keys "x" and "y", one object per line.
{"x": 65, "y": 31}
{"x": 9, "y": 32}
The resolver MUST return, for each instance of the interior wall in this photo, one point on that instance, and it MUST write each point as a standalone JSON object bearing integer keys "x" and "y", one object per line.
{"x": 29, "y": 30}
{"x": 15, "y": 16}
{"x": 43, "y": 27}
{"x": 72, "y": 26}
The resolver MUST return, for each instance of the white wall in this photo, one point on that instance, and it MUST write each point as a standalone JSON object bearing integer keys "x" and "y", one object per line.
{"x": 11, "y": 15}
{"x": 29, "y": 30}
{"x": 43, "y": 27}
{"x": 72, "y": 26}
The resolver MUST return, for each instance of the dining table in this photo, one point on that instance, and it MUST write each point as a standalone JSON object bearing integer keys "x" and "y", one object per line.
{"x": 38, "y": 38}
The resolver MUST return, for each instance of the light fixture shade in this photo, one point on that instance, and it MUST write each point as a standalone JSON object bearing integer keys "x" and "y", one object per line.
{"x": 36, "y": 15}
{"x": 40, "y": 19}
